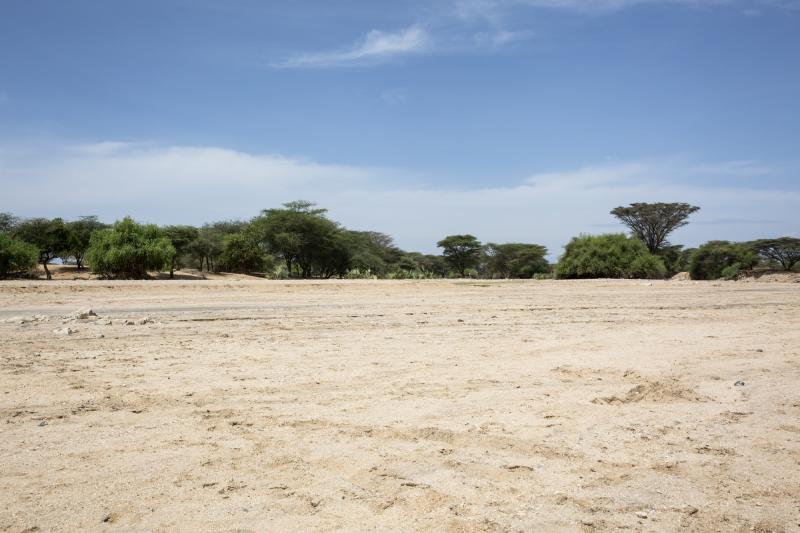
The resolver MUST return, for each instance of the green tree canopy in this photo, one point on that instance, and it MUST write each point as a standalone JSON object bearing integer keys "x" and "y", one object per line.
{"x": 718, "y": 259}
{"x": 372, "y": 251}
{"x": 242, "y": 253}
{"x": 8, "y": 222}
{"x": 515, "y": 260}
{"x": 652, "y": 223}
{"x": 310, "y": 244}
{"x": 16, "y": 256}
{"x": 181, "y": 238}
{"x": 80, "y": 235}
{"x": 784, "y": 250}
{"x": 608, "y": 256}
{"x": 462, "y": 252}
{"x": 129, "y": 250}
{"x": 51, "y": 237}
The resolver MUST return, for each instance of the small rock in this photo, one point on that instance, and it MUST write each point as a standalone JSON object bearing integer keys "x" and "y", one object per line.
{"x": 691, "y": 509}
{"x": 759, "y": 350}
{"x": 65, "y": 331}
{"x": 460, "y": 320}
{"x": 129, "y": 322}
{"x": 43, "y": 423}
{"x": 83, "y": 315}
{"x": 100, "y": 336}
{"x": 739, "y": 383}
{"x": 641, "y": 514}
{"x": 145, "y": 320}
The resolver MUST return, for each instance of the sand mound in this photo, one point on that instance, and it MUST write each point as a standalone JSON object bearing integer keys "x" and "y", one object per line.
{"x": 681, "y": 276}
{"x": 770, "y": 276}
{"x": 653, "y": 391}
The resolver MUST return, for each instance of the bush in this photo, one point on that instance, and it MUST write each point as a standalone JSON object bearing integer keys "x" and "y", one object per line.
{"x": 16, "y": 256}
{"x": 129, "y": 250}
{"x": 608, "y": 256}
{"x": 718, "y": 259}
{"x": 243, "y": 254}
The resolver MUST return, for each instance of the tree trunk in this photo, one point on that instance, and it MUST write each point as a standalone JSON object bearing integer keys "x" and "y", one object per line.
{"x": 172, "y": 268}
{"x": 46, "y": 270}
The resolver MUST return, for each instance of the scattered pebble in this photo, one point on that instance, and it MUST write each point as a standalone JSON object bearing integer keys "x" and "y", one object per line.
{"x": 739, "y": 383}
{"x": 43, "y": 423}
{"x": 65, "y": 331}
{"x": 641, "y": 514}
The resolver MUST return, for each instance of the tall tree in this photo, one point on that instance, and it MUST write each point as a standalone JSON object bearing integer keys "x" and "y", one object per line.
{"x": 81, "y": 232}
{"x": 515, "y": 260}
{"x": 461, "y": 252}
{"x": 51, "y": 237}
{"x": 652, "y": 223}
{"x": 783, "y": 250}
{"x": 309, "y": 243}
{"x": 180, "y": 237}
{"x": 8, "y": 222}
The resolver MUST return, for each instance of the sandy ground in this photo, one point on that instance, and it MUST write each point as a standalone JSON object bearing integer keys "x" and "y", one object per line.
{"x": 386, "y": 406}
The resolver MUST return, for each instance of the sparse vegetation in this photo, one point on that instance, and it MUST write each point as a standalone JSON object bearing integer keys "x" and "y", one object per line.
{"x": 299, "y": 240}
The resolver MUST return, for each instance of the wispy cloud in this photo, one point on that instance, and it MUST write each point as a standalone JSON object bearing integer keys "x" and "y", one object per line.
{"x": 376, "y": 47}
{"x": 394, "y": 96}
{"x": 172, "y": 184}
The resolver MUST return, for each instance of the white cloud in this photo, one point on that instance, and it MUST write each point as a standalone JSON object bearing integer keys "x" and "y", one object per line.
{"x": 200, "y": 184}
{"x": 394, "y": 96}
{"x": 376, "y": 47}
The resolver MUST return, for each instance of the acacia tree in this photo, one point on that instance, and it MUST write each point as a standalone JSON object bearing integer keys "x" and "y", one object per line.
{"x": 721, "y": 259}
{"x": 461, "y": 252}
{"x": 180, "y": 237}
{"x": 8, "y": 222}
{"x": 515, "y": 260}
{"x": 304, "y": 238}
{"x": 783, "y": 250}
{"x": 80, "y": 234}
{"x": 652, "y": 223}
{"x": 51, "y": 237}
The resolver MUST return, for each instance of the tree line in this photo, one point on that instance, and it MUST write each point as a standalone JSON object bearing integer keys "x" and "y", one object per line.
{"x": 299, "y": 240}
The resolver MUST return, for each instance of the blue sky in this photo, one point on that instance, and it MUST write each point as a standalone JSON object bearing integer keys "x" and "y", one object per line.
{"x": 510, "y": 119}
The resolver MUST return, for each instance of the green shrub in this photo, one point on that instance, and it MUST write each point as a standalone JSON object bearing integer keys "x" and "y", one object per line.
{"x": 719, "y": 259}
{"x": 608, "y": 256}
{"x": 129, "y": 250}
{"x": 16, "y": 256}
{"x": 242, "y": 254}
{"x": 730, "y": 272}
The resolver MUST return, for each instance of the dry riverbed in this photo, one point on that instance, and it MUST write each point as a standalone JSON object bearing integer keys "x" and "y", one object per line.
{"x": 374, "y": 405}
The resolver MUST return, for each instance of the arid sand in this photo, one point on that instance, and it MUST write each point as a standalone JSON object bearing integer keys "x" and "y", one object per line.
{"x": 384, "y": 406}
